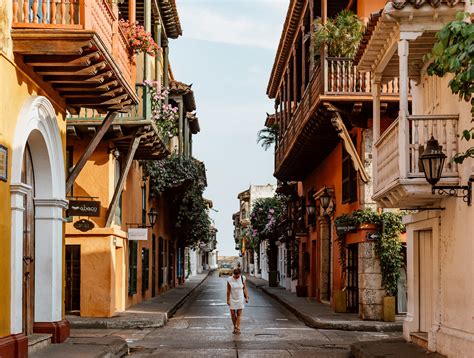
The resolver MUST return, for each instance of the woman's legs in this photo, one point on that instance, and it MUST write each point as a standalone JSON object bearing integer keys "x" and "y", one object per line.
{"x": 237, "y": 321}
{"x": 233, "y": 315}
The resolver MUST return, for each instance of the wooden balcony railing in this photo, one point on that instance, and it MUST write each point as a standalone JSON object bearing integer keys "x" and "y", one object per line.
{"x": 91, "y": 15}
{"x": 389, "y": 151}
{"x": 338, "y": 77}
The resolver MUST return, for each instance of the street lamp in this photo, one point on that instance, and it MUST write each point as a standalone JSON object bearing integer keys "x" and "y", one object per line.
{"x": 310, "y": 208}
{"x": 289, "y": 232}
{"x": 325, "y": 199}
{"x": 152, "y": 216}
{"x": 432, "y": 162}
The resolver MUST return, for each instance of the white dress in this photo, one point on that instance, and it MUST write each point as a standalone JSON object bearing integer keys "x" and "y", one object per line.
{"x": 236, "y": 292}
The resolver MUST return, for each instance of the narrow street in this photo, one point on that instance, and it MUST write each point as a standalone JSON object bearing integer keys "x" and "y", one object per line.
{"x": 202, "y": 328}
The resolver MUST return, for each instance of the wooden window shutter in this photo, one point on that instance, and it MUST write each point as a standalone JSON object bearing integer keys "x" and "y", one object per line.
{"x": 132, "y": 268}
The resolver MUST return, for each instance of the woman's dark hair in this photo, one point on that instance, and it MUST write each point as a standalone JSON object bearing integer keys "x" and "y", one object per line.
{"x": 237, "y": 271}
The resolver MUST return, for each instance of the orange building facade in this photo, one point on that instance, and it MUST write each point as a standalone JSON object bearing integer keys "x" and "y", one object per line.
{"x": 323, "y": 109}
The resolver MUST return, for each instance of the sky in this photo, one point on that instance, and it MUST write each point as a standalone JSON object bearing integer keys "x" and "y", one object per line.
{"x": 227, "y": 52}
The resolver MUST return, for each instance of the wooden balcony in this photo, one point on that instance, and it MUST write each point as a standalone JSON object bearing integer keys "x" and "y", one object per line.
{"x": 309, "y": 135}
{"x": 398, "y": 180}
{"x": 78, "y": 49}
{"x": 123, "y": 129}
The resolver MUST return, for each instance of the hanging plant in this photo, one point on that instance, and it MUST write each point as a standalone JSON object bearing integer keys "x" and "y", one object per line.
{"x": 164, "y": 115}
{"x": 139, "y": 39}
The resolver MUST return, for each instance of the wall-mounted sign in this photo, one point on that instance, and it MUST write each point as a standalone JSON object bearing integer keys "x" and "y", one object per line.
{"x": 3, "y": 163}
{"x": 344, "y": 229}
{"x": 371, "y": 236}
{"x": 138, "y": 234}
{"x": 84, "y": 208}
{"x": 84, "y": 225}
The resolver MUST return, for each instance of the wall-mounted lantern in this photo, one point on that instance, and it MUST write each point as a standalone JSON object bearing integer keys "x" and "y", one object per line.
{"x": 152, "y": 216}
{"x": 432, "y": 162}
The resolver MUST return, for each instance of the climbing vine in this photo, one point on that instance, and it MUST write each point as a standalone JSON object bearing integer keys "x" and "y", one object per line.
{"x": 184, "y": 181}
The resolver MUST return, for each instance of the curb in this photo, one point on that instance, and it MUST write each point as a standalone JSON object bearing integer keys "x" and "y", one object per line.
{"x": 334, "y": 325}
{"x": 133, "y": 322}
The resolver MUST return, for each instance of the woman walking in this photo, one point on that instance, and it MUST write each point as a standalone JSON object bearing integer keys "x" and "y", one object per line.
{"x": 236, "y": 293}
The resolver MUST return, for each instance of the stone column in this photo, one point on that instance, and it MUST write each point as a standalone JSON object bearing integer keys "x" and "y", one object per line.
{"x": 403, "y": 126}
{"x": 371, "y": 292}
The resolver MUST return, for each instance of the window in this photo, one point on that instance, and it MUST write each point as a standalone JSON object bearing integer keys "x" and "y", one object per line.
{"x": 349, "y": 176}
{"x": 145, "y": 268}
{"x": 132, "y": 268}
{"x": 144, "y": 205}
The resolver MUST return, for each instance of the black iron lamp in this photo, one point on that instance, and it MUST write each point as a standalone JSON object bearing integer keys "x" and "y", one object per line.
{"x": 310, "y": 208}
{"x": 325, "y": 199}
{"x": 432, "y": 163}
{"x": 289, "y": 231}
{"x": 152, "y": 216}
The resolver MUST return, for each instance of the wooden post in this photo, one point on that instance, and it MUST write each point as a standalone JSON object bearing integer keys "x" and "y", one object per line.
{"x": 123, "y": 176}
{"x": 295, "y": 77}
{"x": 180, "y": 128}
{"x": 403, "y": 48}
{"x": 288, "y": 96}
{"x": 311, "y": 31}
{"x": 324, "y": 11}
{"x": 324, "y": 68}
{"x": 375, "y": 125}
{"x": 303, "y": 61}
{"x": 158, "y": 69}
{"x": 132, "y": 11}
{"x": 90, "y": 149}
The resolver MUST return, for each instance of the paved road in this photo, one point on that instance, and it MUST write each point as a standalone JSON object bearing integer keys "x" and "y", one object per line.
{"x": 202, "y": 328}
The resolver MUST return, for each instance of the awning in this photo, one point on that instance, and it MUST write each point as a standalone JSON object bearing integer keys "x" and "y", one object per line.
{"x": 343, "y": 133}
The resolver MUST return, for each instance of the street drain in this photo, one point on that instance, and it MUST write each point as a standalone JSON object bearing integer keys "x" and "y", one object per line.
{"x": 323, "y": 346}
{"x": 266, "y": 334}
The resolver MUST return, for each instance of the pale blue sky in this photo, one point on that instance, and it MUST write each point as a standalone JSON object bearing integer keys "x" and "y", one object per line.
{"x": 227, "y": 52}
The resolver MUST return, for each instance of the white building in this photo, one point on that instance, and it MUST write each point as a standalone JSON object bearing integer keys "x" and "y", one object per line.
{"x": 440, "y": 245}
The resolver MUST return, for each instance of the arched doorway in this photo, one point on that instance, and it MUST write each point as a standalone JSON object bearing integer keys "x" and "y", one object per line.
{"x": 38, "y": 198}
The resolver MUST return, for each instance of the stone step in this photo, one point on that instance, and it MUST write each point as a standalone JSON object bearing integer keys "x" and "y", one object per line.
{"x": 420, "y": 339}
{"x": 38, "y": 341}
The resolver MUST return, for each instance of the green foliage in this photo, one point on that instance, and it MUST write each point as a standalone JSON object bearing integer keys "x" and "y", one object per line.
{"x": 268, "y": 136}
{"x": 453, "y": 53}
{"x": 265, "y": 217}
{"x": 341, "y": 35}
{"x": 184, "y": 181}
{"x": 388, "y": 246}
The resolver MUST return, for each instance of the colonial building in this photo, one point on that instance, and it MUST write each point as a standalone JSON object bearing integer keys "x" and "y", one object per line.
{"x": 252, "y": 263}
{"x": 439, "y": 248}
{"x": 45, "y": 52}
{"x": 323, "y": 109}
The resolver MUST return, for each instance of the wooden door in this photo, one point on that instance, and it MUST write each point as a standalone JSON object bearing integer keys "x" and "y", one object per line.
{"x": 28, "y": 245}
{"x": 352, "y": 278}
{"x": 73, "y": 278}
{"x": 162, "y": 257}
{"x": 426, "y": 279}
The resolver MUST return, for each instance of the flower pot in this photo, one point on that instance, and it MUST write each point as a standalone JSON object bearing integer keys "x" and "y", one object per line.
{"x": 340, "y": 301}
{"x": 273, "y": 279}
{"x": 301, "y": 290}
{"x": 389, "y": 309}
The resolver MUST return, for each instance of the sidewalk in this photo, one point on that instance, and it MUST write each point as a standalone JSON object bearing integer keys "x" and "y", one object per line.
{"x": 320, "y": 315}
{"x": 390, "y": 348}
{"x": 152, "y": 313}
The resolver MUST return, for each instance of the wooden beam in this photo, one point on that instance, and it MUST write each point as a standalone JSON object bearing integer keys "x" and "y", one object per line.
{"x": 81, "y": 87}
{"x": 61, "y": 61}
{"x": 90, "y": 149}
{"x": 117, "y": 128}
{"x": 100, "y": 78}
{"x": 50, "y": 47}
{"x": 123, "y": 176}
{"x": 71, "y": 71}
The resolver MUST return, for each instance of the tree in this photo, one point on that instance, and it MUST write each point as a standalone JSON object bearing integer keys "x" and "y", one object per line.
{"x": 453, "y": 53}
{"x": 268, "y": 136}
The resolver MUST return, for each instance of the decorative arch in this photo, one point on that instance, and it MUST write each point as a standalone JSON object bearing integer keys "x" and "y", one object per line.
{"x": 37, "y": 127}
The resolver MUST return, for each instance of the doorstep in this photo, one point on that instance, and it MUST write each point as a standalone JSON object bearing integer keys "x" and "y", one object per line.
{"x": 318, "y": 315}
{"x": 420, "y": 338}
{"x": 38, "y": 341}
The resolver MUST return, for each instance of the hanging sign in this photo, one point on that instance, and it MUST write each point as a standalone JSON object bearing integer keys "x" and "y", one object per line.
{"x": 84, "y": 225}
{"x": 138, "y": 234}
{"x": 344, "y": 229}
{"x": 3, "y": 163}
{"x": 84, "y": 208}
{"x": 372, "y": 236}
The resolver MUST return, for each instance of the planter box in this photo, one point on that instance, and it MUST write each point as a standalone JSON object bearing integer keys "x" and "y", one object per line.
{"x": 301, "y": 291}
{"x": 389, "y": 309}
{"x": 340, "y": 301}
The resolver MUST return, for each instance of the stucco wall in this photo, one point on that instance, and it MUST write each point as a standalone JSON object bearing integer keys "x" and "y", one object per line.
{"x": 15, "y": 89}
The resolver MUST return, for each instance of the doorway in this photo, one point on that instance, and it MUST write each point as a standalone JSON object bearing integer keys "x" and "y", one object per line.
{"x": 28, "y": 178}
{"x": 153, "y": 265}
{"x": 352, "y": 278}
{"x": 73, "y": 279}
{"x": 425, "y": 264}
{"x": 325, "y": 262}
{"x": 161, "y": 271}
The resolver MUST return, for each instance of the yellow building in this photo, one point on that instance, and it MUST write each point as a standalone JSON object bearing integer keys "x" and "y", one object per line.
{"x": 51, "y": 61}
